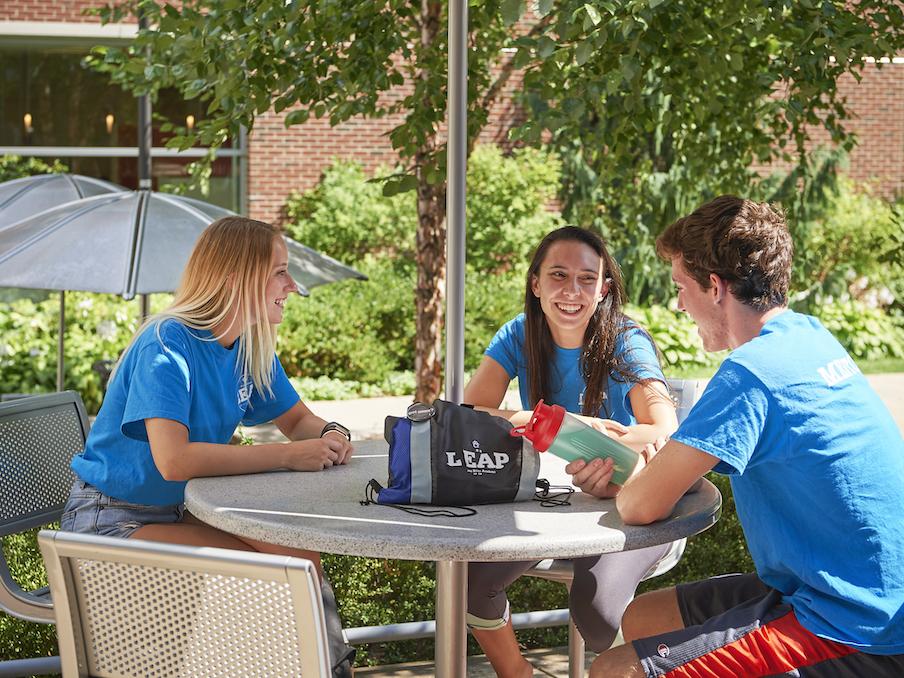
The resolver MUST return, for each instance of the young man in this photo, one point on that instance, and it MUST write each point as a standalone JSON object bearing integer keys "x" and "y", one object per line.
{"x": 817, "y": 471}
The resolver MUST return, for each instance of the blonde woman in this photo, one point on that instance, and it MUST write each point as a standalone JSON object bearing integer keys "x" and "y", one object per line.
{"x": 190, "y": 375}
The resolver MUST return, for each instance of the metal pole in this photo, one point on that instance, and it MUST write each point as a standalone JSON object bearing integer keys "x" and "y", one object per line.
{"x": 452, "y": 577}
{"x": 243, "y": 162}
{"x": 457, "y": 162}
{"x": 144, "y": 128}
{"x": 451, "y": 603}
{"x": 61, "y": 341}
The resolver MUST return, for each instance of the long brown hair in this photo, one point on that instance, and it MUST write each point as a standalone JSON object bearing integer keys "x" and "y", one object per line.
{"x": 598, "y": 357}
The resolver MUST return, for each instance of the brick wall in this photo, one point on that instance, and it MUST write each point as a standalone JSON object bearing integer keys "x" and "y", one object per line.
{"x": 283, "y": 160}
{"x": 47, "y": 10}
{"x": 877, "y": 102}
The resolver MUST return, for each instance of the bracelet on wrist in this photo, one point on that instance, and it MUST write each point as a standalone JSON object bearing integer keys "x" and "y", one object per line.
{"x": 338, "y": 428}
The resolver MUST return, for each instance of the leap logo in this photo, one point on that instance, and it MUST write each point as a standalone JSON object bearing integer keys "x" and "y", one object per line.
{"x": 476, "y": 461}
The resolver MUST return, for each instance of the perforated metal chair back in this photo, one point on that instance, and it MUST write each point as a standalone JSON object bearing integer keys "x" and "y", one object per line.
{"x": 127, "y": 607}
{"x": 39, "y": 435}
{"x": 685, "y": 393}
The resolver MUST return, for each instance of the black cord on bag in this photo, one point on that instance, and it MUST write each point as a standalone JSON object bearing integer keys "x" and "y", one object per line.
{"x": 373, "y": 488}
{"x": 552, "y": 495}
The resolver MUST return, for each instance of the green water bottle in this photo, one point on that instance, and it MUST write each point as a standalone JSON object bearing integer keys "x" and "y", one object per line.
{"x": 553, "y": 429}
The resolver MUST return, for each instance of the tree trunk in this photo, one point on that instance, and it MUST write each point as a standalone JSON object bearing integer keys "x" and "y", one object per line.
{"x": 430, "y": 293}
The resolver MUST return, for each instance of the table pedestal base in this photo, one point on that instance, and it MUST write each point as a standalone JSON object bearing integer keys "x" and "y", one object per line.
{"x": 451, "y": 632}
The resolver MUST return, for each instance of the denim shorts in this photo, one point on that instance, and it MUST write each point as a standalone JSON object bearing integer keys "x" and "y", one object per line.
{"x": 91, "y": 511}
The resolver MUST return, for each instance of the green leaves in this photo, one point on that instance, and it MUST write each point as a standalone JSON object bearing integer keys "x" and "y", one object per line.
{"x": 297, "y": 117}
{"x": 512, "y": 10}
{"x": 591, "y": 15}
{"x": 396, "y": 185}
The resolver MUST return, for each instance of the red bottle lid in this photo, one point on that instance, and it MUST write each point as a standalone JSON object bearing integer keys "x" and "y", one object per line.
{"x": 543, "y": 426}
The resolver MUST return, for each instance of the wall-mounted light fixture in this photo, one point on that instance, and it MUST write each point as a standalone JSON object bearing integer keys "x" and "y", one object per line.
{"x": 26, "y": 119}
{"x": 108, "y": 121}
{"x": 190, "y": 122}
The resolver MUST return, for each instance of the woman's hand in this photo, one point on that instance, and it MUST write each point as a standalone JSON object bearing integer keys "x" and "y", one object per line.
{"x": 609, "y": 427}
{"x": 346, "y": 452}
{"x": 650, "y": 449}
{"x": 318, "y": 453}
{"x": 594, "y": 477}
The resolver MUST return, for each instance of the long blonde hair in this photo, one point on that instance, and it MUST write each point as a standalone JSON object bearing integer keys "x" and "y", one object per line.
{"x": 227, "y": 273}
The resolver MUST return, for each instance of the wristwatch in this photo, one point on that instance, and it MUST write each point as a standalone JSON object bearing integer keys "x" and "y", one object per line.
{"x": 335, "y": 426}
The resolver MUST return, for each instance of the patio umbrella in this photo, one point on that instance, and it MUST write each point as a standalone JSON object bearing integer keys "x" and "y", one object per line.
{"x": 21, "y": 198}
{"x": 129, "y": 243}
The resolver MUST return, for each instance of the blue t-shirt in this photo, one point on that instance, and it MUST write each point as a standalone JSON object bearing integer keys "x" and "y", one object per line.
{"x": 185, "y": 376}
{"x": 817, "y": 470}
{"x": 567, "y": 383}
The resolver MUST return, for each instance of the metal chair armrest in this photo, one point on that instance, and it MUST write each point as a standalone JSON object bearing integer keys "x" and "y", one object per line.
{"x": 34, "y": 606}
{"x": 559, "y": 569}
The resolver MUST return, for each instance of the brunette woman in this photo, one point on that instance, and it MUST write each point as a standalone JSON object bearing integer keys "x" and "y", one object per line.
{"x": 572, "y": 346}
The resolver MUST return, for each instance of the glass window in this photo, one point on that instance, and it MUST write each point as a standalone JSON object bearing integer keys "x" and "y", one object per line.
{"x": 51, "y": 100}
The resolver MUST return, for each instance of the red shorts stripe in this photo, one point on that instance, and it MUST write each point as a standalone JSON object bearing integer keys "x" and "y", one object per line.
{"x": 776, "y": 647}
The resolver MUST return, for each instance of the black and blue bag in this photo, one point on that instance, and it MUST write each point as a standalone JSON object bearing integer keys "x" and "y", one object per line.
{"x": 453, "y": 455}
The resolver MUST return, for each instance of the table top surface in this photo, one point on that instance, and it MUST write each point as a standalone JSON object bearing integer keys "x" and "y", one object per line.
{"x": 323, "y": 512}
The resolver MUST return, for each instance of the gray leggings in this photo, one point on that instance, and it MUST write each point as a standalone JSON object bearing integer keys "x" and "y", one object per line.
{"x": 602, "y": 588}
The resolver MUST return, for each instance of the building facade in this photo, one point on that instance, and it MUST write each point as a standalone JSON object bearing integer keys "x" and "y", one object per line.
{"x": 52, "y": 107}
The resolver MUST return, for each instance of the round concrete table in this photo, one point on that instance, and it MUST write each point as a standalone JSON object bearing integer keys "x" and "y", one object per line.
{"x": 323, "y": 512}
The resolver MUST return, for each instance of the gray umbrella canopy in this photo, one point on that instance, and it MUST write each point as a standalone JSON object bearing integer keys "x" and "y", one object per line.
{"x": 131, "y": 243}
{"x": 126, "y": 243}
{"x": 22, "y": 198}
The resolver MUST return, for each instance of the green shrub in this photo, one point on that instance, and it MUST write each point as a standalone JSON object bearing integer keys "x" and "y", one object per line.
{"x": 352, "y": 330}
{"x": 98, "y": 327}
{"x": 328, "y": 388}
{"x": 866, "y": 333}
{"x": 490, "y": 302}
{"x": 858, "y": 235}
{"x": 506, "y": 207}
{"x": 349, "y": 218}
{"x": 675, "y": 335}
{"x": 20, "y": 639}
{"x": 16, "y": 167}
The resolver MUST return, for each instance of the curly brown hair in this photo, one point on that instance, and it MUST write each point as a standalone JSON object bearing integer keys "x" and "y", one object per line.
{"x": 745, "y": 243}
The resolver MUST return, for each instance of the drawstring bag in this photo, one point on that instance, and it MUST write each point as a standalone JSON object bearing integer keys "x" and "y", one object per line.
{"x": 453, "y": 456}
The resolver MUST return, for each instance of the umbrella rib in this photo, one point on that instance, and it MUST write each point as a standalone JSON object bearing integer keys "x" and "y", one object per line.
{"x": 181, "y": 204}
{"x": 74, "y": 184}
{"x": 28, "y": 186}
{"x": 139, "y": 225}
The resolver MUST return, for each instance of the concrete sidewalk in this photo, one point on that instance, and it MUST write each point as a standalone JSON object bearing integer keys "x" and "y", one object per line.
{"x": 365, "y": 417}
